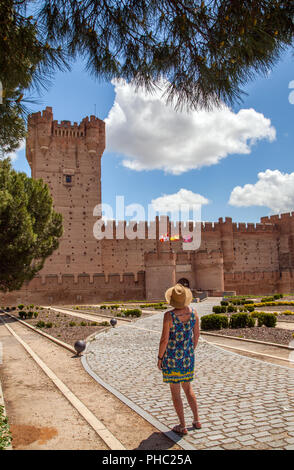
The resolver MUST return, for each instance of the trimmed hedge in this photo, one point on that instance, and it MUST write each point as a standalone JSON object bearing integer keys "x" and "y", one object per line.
{"x": 219, "y": 309}
{"x": 134, "y": 312}
{"x": 241, "y": 320}
{"x": 265, "y": 318}
{"x": 214, "y": 322}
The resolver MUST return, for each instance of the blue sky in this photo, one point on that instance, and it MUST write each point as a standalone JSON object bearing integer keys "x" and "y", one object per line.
{"x": 145, "y": 171}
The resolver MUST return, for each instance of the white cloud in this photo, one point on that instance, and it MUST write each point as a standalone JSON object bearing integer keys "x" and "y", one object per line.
{"x": 14, "y": 155}
{"x": 152, "y": 135}
{"x": 273, "y": 189}
{"x": 174, "y": 202}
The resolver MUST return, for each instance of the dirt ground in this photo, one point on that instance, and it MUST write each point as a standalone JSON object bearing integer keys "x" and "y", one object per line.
{"x": 40, "y": 417}
{"x": 260, "y": 333}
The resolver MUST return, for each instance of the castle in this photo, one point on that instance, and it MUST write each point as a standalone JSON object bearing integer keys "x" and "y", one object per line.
{"x": 241, "y": 258}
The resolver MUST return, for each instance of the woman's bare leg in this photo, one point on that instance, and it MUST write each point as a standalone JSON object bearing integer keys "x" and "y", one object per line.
{"x": 191, "y": 397}
{"x": 177, "y": 401}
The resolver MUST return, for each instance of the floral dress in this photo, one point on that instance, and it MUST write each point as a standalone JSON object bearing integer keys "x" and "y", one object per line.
{"x": 178, "y": 361}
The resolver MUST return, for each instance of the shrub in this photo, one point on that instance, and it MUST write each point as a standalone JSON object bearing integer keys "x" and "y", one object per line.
{"x": 118, "y": 314}
{"x": 103, "y": 307}
{"x": 40, "y": 324}
{"x": 104, "y": 323}
{"x": 30, "y": 314}
{"x": 20, "y": 306}
{"x": 31, "y": 306}
{"x": 22, "y": 314}
{"x": 287, "y": 312}
{"x": 83, "y": 323}
{"x": 214, "y": 322}
{"x": 250, "y": 321}
{"x": 267, "y": 299}
{"x": 94, "y": 323}
{"x": 134, "y": 312}
{"x": 267, "y": 319}
{"x": 239, "y": 320}
{"x": 72, "y": 323}
{"x": 224, "y": 302}
{"x": 231, "y": 308}
{"x": 278, "y": 296}
{"x": 219, "y": 309}
{"x": 49, "y": 324}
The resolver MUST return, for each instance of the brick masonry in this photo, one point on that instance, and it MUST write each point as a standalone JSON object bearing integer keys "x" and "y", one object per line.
{"x": 245, "y": 258}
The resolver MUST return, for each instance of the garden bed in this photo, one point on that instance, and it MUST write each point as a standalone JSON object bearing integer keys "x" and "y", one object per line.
{"x": 262, "y": 333}
{"x": 112, "y": 312}
{"x": 64, "y": 327}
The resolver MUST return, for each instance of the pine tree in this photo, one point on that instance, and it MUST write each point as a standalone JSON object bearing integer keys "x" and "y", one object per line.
{"x": 29, "y": 227}
{"x": 205, "y": 50}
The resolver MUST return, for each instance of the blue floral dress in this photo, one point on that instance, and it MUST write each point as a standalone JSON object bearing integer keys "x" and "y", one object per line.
{"x": 178, "y": 361}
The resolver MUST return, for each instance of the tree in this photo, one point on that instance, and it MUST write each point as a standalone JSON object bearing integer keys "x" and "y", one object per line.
{"x": 205, "y": 50}
{"x": 29, "y": 227}
{"x": 27, "y": 61}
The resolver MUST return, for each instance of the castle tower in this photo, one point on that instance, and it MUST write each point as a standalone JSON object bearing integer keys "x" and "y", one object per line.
{"x": 68, "y": 158}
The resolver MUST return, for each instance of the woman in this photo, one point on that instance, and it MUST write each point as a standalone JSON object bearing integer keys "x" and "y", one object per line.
{"x": 180, "y": 334}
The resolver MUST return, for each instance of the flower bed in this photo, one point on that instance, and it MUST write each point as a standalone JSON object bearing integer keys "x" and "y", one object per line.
{"x": 262, "y": 333}
{"x": 64, "y": 327}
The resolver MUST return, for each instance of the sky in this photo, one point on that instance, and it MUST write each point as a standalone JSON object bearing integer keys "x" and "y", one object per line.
{"x": 231, "y": 162}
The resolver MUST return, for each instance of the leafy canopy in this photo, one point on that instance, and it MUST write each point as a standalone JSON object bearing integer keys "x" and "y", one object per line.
{"x": 205, "y": 50}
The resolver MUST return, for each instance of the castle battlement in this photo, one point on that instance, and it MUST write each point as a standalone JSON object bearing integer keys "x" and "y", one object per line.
{"x": 278, "y": 218}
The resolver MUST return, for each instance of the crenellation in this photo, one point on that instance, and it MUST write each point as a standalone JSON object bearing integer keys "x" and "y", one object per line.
{"x": 128, "y": 260}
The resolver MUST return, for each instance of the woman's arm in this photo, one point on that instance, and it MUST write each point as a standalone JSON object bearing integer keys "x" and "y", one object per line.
{"x": 196, "y": 330}
{"x": 164, "y": 338}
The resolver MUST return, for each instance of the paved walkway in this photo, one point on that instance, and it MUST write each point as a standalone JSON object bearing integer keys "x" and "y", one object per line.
{"x": 243, "y": 403}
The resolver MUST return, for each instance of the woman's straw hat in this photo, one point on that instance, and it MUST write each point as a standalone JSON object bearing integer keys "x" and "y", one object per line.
{"x": 178, "y": 296}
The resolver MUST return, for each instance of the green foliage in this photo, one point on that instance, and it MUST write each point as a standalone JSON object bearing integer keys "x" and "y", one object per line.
{"x": 224, "y": 302}
{"x": 20, "y": 306}
{"x": 104, "y": 323}
{"x": 22, "y": 314}
{"x": 5, "y": 434}
{"x": 241, "y": 320}
{"x": 49, "y": 324}
{"x": 94, "y": 323}
{"x": 278, "y": 296}
{"x": 266, "y": 319}
{"x": 72, "y": 323}
{"x": 134, "y": 312}
{"x": 36, "y": 314}
{"x": 214, "y": 322}
{"x": 30, "y": 314}
{"x": 27, "y": 60}
{"x": 267, "y": 299}
{"x": 231, "y": 308}
{"x": 29, "y": 227}
{"x": 83, "y": 323}
{"x": 41, "y": 324}
{"x": 219, "y": 309}
{"x": 206, "y": 50}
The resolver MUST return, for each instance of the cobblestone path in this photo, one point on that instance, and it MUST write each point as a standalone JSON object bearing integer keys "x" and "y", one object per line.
{"x": 243, "y": 403}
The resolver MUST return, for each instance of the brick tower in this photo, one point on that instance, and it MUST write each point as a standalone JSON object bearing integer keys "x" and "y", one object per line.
{"x": 68, "y": 158}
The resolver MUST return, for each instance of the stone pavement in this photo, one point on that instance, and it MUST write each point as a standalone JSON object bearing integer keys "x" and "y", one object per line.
{"x": 243, "y": 403}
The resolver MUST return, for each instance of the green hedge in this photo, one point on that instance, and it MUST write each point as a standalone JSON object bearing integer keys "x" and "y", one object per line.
{"x": 265, "y": 318}
{"x": 134, "y": 312}
{"x": 214, "y": 322}
{"x": 219, "y": 309}
{"x": 241, "y": 320}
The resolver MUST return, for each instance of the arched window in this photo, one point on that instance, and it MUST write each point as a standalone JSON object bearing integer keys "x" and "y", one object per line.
{"x": 184, "y": 282}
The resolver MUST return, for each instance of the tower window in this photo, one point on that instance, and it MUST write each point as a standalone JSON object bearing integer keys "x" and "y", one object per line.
{"x": 68, "y": 178}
